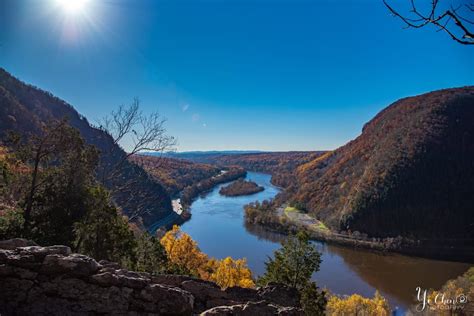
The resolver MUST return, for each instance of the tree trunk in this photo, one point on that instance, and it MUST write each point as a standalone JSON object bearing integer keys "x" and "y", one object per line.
{"x": 29, "y": 201}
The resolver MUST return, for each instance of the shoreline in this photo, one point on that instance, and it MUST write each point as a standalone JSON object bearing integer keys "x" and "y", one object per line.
{"x": 430, "y": 249}
{"x": 453, "y": 250}
{"x": 183, "y": 204}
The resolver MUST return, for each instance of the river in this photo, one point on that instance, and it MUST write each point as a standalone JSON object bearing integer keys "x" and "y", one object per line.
{"x": 218, "y": 225}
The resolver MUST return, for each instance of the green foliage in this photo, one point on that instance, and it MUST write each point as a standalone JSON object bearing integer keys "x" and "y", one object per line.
{"x": 102, "y": 233}
{"x": 11, "y": 223}
{"x": 62, "y": 200}
{"x": 313, "y": 301}
{"x": 4, "y": 176}
{"x": 63, "y": 170}
{"x": 150, "y": 255}
{"x": 298, "y": 206}
{"x": 293, "y": 265}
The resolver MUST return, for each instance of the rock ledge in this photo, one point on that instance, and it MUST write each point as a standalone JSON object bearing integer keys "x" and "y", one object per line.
{"x": 54, "y": 281}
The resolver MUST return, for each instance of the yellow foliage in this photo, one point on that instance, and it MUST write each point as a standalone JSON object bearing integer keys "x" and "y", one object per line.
{"x": 232, "y": 272}
{"x": 447, "y": 300}
{"x": 358, "y": 305}
{"x": 183, "y": 251}
{"x": 3, "y": 153}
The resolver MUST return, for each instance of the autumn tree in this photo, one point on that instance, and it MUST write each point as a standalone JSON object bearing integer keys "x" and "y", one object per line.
{"x": 357, "y": 305}
{"x": 230, "y": 273}
{"x": 183, "y": 252}
{"x": 454, "y": 297}
{"x": 293, "y": 265}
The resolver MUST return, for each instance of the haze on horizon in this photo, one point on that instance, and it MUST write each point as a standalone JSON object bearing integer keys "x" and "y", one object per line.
{"x": 231, "y": 75}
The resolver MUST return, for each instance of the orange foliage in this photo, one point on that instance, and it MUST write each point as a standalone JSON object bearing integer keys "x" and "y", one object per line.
{"x": 183, "y": 251}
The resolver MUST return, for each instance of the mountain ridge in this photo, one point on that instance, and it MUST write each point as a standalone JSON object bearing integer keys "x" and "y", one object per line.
{"x": 389, "y": 180}
{"x": 25, "y": 109}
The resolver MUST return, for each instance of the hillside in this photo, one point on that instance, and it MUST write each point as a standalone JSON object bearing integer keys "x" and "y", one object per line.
{"x": 281, "y": 165}
{"x": 175, "y": 174}
{"x": 410, "y": 172}
{"x": 24, "y": 109}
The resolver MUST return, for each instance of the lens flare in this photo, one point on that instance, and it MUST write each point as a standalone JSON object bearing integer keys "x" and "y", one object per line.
{"x": 72, "y": 6}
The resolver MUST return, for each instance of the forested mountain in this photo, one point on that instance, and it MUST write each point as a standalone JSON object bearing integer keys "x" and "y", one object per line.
{"x": 25, "y": 110}
{"x": 410, "y": 172}
{"x": 175, "y": 174}
{"x": 281, "y": 165}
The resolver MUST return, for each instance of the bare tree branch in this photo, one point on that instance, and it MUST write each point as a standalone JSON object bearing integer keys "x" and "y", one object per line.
{"x": 452, "y": 21}
{"x": 134, "y": 132}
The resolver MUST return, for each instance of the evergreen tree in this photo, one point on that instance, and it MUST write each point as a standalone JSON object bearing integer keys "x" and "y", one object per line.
{"x": 150, "y": 255}
{"x": 103, "y": 233}
{"x": 293, "y": 265}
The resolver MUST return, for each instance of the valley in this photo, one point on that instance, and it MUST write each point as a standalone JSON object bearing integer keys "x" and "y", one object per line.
{"x": 247, "y": 158}
{"x": 345, "y": 270}
{"x": 355, "y": 203}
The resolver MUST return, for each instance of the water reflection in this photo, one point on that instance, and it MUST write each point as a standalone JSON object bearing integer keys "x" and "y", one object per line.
{"x": 219, "y": 228}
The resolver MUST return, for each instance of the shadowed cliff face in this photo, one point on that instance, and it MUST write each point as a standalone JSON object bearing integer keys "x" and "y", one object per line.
{"x": 409, "y": 173}
{"x": 52, "y": 280}
{"x": 24, "y": 109}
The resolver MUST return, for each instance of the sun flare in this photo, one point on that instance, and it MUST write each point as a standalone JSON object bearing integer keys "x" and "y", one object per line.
{"x": 72, "y": 6}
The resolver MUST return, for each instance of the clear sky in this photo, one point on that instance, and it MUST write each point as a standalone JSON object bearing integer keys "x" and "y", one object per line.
{"x": 261, "y": 74}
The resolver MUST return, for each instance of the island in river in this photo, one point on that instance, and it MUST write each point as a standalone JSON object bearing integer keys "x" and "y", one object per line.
{"x": 241, "y": 187}
{"x": 343, "y": 271}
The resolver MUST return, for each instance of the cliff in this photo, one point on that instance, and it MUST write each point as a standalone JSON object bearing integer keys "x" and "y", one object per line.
{"x": 52, "y": 280}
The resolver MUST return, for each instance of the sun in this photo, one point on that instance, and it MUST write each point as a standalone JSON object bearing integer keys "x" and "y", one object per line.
{"x": 72, "y": 6}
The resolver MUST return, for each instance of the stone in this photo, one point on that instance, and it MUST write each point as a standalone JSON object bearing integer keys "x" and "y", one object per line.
{"x": 280, "y": 295}
{"x": 12, "y": 244}
{"x": 75, "y": 264}
{"x": 38, "y": 280}
{"x": 261, "y": 308}
{"x": 168, "y": 299}
{"x": 171, "y": 279}
{"x": 42, "y": 252}
{"x": 109, "y": 264}
{"x": 206, "y": 294}
{"x": 106, "y": 279}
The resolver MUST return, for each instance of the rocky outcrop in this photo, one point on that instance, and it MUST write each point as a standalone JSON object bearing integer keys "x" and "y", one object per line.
{"x": 52, "y": 280}
{"x": 252, "y": 308}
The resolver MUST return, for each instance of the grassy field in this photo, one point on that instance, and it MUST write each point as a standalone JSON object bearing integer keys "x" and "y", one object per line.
{"x": 296, "y": 215}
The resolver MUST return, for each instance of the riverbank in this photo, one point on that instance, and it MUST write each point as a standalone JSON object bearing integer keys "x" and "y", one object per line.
{"x": 285, "y": 220}
{"x": 344, "y": 270}
{"x": 227, "y": 175}
{"x": 183, "y": 200}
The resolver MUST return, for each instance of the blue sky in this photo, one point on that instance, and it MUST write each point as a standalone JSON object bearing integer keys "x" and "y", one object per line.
{"x": 262, "y": 74}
